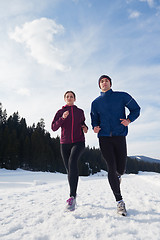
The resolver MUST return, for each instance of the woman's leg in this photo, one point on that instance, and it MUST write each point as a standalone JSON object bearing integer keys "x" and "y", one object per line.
{"x": 65, "y": 153}
{"x": 70, "y": 154}
{"x": 73, "y": 175}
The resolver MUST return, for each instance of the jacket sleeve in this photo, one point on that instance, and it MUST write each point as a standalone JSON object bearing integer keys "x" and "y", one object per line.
{"x": 57, "y": 121}
{"x": 133, "y": 107}
{"x": 83, "y": 119}
{"x": 94, "y": 116}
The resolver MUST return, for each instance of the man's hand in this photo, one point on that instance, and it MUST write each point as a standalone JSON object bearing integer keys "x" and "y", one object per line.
{"x": 96, "y": 129}
{"x": 125, "y": 122}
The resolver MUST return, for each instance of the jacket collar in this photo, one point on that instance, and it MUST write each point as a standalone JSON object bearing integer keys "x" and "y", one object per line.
{"x": 109, "y": 92}
{"x": 67, "y": 106}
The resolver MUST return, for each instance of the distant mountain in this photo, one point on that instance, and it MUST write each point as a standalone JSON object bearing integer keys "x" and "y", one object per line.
{"x": 145, "y": 159}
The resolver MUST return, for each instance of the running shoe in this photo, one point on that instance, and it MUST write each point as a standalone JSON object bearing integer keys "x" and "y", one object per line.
{"x": 71, "y": 203}
{"x": 121, "y": 209}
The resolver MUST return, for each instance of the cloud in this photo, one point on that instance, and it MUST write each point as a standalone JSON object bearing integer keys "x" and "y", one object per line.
{"x": 38, "y": 37}
{"x": 134, "y": 14}
{"x": 150, "y": 2}
{"x": 83, "y": 44}
{"x": 23, "y": 92}
{"x": 75, "y": 1}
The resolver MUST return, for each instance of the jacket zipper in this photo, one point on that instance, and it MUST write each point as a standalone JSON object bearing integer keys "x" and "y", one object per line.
{"x": 72, "y": 124}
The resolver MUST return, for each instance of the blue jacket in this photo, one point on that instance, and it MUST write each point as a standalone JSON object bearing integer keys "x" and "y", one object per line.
{"x": 109, "y": 108}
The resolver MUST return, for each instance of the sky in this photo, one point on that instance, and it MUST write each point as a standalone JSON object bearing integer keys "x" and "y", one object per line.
{"x": 51, "y": 46}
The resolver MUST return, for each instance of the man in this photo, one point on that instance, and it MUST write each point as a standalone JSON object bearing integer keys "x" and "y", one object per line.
{"x": 109, "y": 121}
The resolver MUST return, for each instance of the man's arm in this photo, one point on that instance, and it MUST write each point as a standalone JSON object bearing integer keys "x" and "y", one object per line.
{"x": 94, "y": 118}
{"x": 133, "y": 107}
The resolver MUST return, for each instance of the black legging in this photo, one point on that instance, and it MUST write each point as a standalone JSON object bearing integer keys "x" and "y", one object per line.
{"x": 114, "y": 152}
{"x": 70, "y": 154}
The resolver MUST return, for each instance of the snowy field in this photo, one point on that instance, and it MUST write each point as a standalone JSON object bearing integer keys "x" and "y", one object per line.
{"x": 32, "y": 207}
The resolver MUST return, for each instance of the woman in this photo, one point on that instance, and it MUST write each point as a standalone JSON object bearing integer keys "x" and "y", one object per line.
{"x": 71, "y": 119}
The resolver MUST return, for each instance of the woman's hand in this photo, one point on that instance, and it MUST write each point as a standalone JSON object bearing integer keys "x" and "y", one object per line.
{"x": 65, "y": 114}
{"x": 85, "y": 129}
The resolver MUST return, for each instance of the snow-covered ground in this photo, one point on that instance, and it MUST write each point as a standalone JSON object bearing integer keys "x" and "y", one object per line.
{"x": 32, "y": 207}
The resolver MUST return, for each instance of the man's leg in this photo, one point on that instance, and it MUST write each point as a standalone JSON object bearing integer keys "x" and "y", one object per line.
{"x": 107, "y": 149}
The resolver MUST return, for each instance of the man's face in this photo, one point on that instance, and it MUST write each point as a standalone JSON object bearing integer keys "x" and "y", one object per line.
{"x": 105, "y": 84}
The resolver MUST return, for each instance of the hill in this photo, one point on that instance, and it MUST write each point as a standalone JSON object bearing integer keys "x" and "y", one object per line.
{"x": 145, "y": 159}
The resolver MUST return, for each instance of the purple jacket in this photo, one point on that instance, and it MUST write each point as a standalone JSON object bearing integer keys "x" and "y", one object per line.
{"x": 71, "y": 127}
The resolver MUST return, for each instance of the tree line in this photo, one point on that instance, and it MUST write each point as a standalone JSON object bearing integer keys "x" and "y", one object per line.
{"x": 32, "y": 148}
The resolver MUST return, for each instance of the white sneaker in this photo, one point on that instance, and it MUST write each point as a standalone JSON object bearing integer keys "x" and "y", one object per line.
{"x": 121, "y": 209}
{"x": 71, "y": 203}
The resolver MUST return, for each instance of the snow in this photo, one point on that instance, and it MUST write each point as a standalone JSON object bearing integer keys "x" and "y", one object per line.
{"x": 32, "y": 207}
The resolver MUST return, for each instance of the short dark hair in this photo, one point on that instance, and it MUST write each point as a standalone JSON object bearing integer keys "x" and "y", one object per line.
{"x": 105, "y": 76}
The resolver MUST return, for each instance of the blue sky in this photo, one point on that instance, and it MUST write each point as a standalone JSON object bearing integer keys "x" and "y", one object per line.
{"x": 51, "y": 46}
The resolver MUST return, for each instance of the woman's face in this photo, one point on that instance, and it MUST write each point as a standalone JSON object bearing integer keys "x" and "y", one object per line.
{"x": 69, "y": 99}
